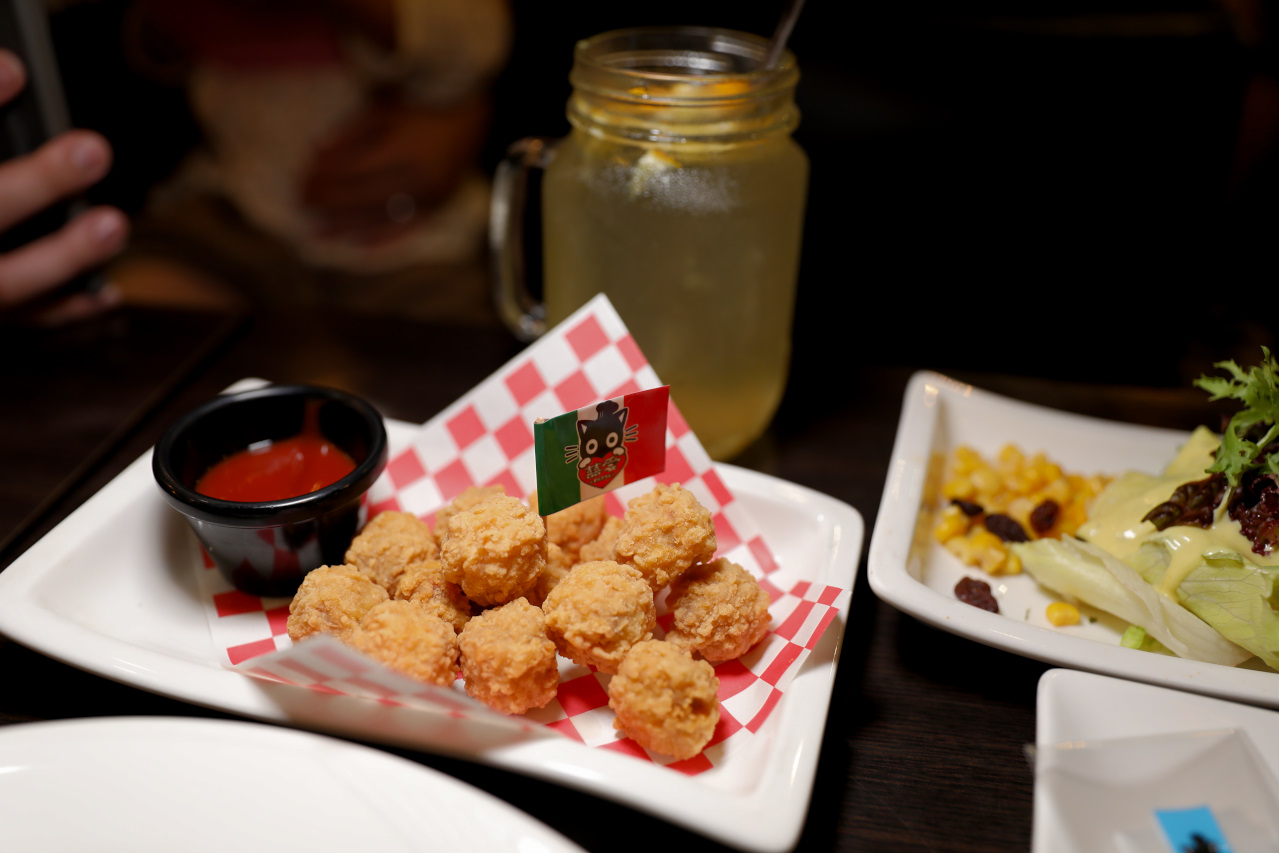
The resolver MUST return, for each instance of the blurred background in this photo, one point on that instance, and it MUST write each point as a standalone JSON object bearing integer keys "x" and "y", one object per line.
{"x": 1083, "y": 191}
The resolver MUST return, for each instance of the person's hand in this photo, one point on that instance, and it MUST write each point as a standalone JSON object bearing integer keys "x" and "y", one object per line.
{"x": 389, "y": 165}
{"x": 60, "y": 169}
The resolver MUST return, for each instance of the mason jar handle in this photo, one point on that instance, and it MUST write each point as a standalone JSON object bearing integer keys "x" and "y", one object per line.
{"x": 523, "y": 315}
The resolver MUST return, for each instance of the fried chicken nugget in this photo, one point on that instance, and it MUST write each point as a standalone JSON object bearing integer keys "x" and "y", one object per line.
{"x": 507, "y": 661}
{"x": 332, "y": 600}
{"x": 423, "y": 584}
{"x": 663, "y": 533}
{"x": 665, "y": 700}
{"x": 575, "y": 526}
{"x": 558, "y": 564}
{"x": 601, "y": 548}
{"x": 470, "y": 496}
{"x": 598, "y": 611}
{"x": 494, "y": 550}
{"x": 719, "y": 611}
{"x": 409, "y": 640}
{"x": 390, "y": 541}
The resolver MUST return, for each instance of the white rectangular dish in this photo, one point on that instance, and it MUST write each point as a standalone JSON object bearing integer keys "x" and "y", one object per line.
{"x": 109, "y": 591}
{"x": 1081, "y": 709}
{"x": 908, "y": 569}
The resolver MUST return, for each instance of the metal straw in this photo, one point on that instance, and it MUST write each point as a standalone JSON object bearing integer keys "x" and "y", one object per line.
{"x": 782, "y": 34}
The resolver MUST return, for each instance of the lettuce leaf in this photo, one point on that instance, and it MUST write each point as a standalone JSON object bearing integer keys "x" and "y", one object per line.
{"x": 1075, "y": 568}
{"x": 1136, "y": 638}
{"x": 1238, "y": 599}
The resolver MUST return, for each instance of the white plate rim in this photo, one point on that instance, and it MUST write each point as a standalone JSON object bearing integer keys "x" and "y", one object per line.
{"x": 149, "y": 739}
{"x": 1131, "y": 709}
{"x": 928, "y": 395}
{"x": 767, "y": 819}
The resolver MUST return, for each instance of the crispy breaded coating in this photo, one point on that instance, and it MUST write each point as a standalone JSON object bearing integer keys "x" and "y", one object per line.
{"x": 507, "y": 661}
{"x": 470, "y": 496}
{"x": 665, "y": 700}
{"x": 598, "y": 611}
{"x": 558, "y": 564}
{"x": 409, "y": 640}
{"x": 601, "y": 547}
{"x": 389, "y": 542}
{"x": 719, "y": 611}
{"x": 663, "y": 533}
{"x": 332, "y": 600}
{"x": 574, "y": 526}
{"x": 494, "y": 550}
{"x": 423, "y": 583}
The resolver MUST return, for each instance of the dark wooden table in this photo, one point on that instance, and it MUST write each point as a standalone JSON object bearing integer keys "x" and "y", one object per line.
{"x": 924, "y": 739}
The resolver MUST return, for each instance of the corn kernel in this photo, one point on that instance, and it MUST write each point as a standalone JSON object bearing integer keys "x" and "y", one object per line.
{"x": 1020, "y": 509}
{"x": 1057, "y": 489}
{"x": 961, "y": 548}
{"x": 986, "y": 480}
{"x": 1011, "y": 458}
{"x": 992, "y": 562}
{"x": 966, "y": 460}
{"x": 985, "y": 540}
{"x": 1062, "y": 614}
{"x": 1013, "y": 565}
{"x": 960, "y": 488}
{"x": 952, "y": 523}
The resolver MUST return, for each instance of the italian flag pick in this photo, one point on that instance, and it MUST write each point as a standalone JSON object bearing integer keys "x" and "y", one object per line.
{"x": 590, "y": 451}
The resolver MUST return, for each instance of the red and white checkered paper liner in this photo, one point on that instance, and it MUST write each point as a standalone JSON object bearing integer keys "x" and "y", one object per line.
{"x": 485, "y": 438}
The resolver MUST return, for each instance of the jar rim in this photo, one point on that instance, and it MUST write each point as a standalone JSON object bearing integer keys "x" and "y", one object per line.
{"x": 680, "y": 55}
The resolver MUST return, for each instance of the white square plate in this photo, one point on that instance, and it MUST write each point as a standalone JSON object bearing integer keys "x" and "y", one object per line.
{"x": 1078, "y": 708}
{"x": 908, "y": 569}
{"x": 109, "y": 590}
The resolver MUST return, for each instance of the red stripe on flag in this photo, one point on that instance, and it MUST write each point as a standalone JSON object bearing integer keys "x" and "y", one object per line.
{"x": 647, "y": 455}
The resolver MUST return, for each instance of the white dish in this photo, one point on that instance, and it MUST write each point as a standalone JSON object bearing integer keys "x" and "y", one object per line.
{"x": 1077, "y": 706}
{"x": 108, "y": 590}
{"x": 909, "y": 570}
{"x": 155, "y": 784}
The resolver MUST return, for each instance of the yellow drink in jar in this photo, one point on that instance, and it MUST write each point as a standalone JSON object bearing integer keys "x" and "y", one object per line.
{"x": 681, "y": 197}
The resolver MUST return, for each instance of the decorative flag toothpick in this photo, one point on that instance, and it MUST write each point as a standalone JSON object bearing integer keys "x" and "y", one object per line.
{"x": 593, "y": 450}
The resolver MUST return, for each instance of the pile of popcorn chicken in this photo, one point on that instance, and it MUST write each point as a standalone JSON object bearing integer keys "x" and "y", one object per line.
{"x": 496, "y": 593}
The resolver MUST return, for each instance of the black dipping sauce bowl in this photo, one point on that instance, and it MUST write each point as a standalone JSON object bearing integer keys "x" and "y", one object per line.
{"x": 267, "y": 548}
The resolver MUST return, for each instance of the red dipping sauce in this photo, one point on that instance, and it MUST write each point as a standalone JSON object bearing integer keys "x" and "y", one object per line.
{"x": 282, "y": 469}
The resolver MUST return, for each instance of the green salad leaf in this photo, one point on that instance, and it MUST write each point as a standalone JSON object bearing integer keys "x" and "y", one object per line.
{"x": 1258, "y": 390}
{"x": 1135, "y": 637}
{"x": 1085, "y": 572}
{"x": 1238, "y": 599}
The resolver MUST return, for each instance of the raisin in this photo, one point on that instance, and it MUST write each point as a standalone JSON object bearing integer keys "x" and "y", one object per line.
{"x": 1255, "y": 505}
{"x": 977, "y": 593}
{"x": 968, "y": 508}
{"x": 1191, "y": 504}
{"x": 1044, "y": 516}
{"x": 1006, "y": 528}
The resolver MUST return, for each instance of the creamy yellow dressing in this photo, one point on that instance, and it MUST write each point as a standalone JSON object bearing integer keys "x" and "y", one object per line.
{"x": 1115, "y": 524}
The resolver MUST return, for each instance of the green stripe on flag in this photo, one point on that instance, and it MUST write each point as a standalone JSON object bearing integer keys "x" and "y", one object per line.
{"x": 557, "y": 483}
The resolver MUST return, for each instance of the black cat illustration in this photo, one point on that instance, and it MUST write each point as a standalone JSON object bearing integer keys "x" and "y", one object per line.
{"x": 600, "y": 453}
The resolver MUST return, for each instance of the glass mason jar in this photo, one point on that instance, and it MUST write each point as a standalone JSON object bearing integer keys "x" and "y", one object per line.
{"x": 679, "y": 193}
